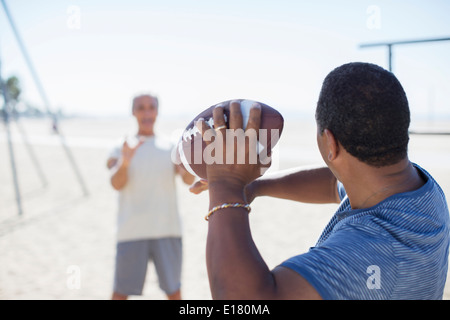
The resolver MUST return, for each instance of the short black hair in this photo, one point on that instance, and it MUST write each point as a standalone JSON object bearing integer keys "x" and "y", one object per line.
{"x": 366, "y": 109}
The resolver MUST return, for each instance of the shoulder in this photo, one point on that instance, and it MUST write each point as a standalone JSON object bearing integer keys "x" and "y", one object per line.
{"x": 431, "y": 188}
{"x": 422, "y": 209}
{"x": 341, "y": 265}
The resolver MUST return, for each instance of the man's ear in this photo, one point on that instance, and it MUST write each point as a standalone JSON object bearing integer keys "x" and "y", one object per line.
{"x": 332, "y": 145}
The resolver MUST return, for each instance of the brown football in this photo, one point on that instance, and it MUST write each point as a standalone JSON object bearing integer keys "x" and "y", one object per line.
{"x": 191, "y": 145}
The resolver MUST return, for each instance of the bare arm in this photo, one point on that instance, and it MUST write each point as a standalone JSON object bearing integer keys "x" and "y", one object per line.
{"x": 314, "y": 185}
{"x": 236, "y": 270}
{"x": 119, "y": 167}
{"x": 119, "y": 173}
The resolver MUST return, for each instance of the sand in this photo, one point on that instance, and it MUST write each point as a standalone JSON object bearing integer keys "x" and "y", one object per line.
{"x": 63, "y": 245}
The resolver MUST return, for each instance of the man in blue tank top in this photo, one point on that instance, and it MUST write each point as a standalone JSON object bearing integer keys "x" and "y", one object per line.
{"x": 389, "y": 238}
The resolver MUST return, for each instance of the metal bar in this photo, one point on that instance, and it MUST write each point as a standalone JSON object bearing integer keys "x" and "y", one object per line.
{"x": 430, "y": 133}
{"x": 27, "y": 58}
{"x": 73, "y": 163}
{"x": 380, "y": 44}
{"x": 31, "y": 153}
{"x": 5, "y": 114}
{"x": 390, "y": 45}
{"x": 13, "y": 162}
{"x": 43, "y": 96}
{"x": 390, "y": 57}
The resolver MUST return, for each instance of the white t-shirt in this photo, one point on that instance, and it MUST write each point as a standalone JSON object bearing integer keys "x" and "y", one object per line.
{"x": 147, "y": 203}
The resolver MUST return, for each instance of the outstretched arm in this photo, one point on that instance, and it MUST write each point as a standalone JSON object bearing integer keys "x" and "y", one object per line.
{"x": 313, "y": 185}
{"x": 236, "y": 269}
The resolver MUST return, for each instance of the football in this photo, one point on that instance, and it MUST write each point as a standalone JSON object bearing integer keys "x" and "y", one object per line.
{"x": 191, "y": 146}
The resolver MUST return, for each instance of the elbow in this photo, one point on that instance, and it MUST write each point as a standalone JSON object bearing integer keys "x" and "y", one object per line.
{"x": 116, "y": 185}
{"x": 189, "y": 180}
{"x": 117, "y": 188}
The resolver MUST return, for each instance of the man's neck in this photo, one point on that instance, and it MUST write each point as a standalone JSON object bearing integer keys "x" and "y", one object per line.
{"x": 368, "y": 186}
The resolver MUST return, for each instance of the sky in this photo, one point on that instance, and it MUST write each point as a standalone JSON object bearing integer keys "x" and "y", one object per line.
{"x": 92, "y": 56}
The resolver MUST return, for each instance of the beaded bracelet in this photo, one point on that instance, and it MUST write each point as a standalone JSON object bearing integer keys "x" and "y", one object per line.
{"x": 227, "y": 205}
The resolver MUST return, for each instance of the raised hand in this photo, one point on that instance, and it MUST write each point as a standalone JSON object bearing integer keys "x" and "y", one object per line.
{"x": 128, "y": 152}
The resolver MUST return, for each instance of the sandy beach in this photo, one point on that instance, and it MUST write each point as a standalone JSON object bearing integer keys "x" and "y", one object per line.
{"x": 63, "y": 245}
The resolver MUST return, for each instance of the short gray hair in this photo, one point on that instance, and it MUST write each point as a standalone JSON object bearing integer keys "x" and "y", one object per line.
{"x": 155, "y": 99}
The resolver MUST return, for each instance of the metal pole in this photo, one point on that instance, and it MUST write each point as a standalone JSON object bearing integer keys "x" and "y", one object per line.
{"x": 5, "y": 114}
{"x": 378, "y": 44}
{"x": 27, "y": 57}
{"x": 391, "y": 44}
{"x": 31, "y": 153}
{"x": 406, "y": 42}
{"x": 390, "y": 57}
{"x": 44, "y": 97}
{"x": 73, "y": 163}
{"x": 13, "y": 163}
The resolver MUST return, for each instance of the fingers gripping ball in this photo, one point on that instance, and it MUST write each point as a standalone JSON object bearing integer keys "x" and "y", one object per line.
{"x": 191, "y": 147}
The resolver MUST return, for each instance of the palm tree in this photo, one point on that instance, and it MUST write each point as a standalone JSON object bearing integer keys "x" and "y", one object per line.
{"x": 13, "y": 87}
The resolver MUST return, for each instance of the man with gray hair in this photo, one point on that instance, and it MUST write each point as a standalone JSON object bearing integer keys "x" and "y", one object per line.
{"x": 148, "y": 221}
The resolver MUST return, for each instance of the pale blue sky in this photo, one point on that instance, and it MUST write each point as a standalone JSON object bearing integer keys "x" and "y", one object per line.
{"x": 193, "y": 54}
